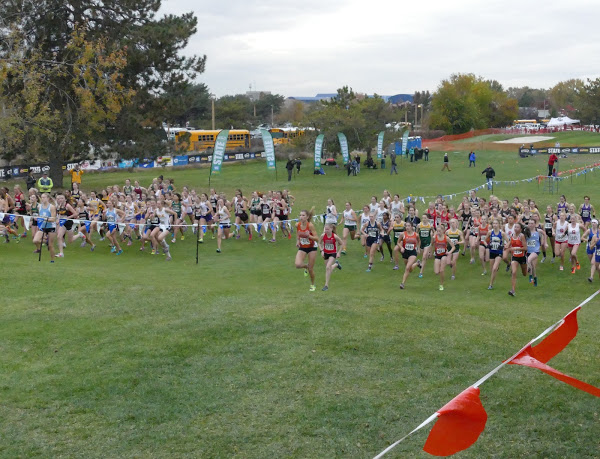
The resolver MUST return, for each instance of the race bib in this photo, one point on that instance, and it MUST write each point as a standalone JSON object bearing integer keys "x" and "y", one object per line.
{"x": 409, "y": 247}
{"x": 304, "y": 241}
{"x": 329, "y": 247}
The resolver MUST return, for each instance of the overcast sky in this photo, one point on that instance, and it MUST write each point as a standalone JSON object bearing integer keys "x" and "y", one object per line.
{"x": 301, "y": 47}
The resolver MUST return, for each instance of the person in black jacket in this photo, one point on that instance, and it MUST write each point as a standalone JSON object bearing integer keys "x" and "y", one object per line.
{"x": 290, "y": 168}
{"x": 489, "y": 175}
{"x": 30, "y": 181}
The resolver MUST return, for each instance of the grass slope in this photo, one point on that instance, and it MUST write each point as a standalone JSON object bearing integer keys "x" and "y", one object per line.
{"x": 132, "y": 356}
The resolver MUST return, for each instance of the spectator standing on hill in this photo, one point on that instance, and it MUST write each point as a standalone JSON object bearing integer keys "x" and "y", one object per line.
{"x": 298, "y": 164}
{"x": 76, "y": 174}
{"x": 446, "y": 163}
{"x": 290, "y": 168}
{"x": 472, "y": 159}
{"x": 489, "y": 175}
{"x": 411, "y": 152}
{"x": 45, "y": 183}
{"x": 394, "y": 168}
{"x": 357, "y": 163}
{"x": 552, "y": 160}
{"x": 30, "y": 180}
{"x": 426, "y": 154}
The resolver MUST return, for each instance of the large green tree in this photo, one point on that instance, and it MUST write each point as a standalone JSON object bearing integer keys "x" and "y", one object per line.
{"x": 151, "y": 47}
{"x": 465, "y": 101}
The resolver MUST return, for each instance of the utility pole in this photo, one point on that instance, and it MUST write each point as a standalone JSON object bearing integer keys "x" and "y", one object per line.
{"x": 272, "y": 125}
{"x": 212, "y": 100}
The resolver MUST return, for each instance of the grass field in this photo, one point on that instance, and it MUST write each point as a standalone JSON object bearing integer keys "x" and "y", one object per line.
{"x": 135, "y": 357}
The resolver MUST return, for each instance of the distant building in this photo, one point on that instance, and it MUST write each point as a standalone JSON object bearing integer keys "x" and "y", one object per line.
{"x": 256, "y": 95}
{"x": 398, "y": 99}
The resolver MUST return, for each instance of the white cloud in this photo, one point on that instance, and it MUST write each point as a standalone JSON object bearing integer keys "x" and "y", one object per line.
{"x": 388, "y": 47}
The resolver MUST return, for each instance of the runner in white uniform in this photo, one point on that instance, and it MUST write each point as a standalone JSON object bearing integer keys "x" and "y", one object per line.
{"x": 561, "y": 238}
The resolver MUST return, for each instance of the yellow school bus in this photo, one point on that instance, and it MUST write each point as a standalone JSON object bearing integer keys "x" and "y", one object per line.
{"x": 201, "y": 140}
{"x": 285, "y": 135}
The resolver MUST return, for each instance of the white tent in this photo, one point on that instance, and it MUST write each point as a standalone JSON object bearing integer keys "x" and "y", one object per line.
{"x": 561, "y": 121}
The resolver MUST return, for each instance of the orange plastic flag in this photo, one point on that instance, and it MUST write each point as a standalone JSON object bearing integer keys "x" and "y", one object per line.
{"x": 553, "y": 344}
{"x": 525, "y": 358}
{"x": 460, "y": 423}
{"x": 558, "y": 339}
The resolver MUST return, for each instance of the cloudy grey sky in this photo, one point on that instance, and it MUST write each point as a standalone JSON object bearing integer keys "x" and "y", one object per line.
{"x": 301, "y": 47}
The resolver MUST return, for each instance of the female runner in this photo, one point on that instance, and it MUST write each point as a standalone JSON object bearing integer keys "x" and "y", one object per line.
{"x": 535, "y": 241}
{"x": 595, "y": 244}
{"x": 330, "y": 245}
{"x": 465, "y": 217}
{"x": 350, "y": 221}
{"x": 386, "y": 228}
{"x": 306, "y": 241}
{"x": 586, "y": 211}
{"x": 509, "y": 231}
{"x": 224, "y": 221}
{"x": 549, "y": 219}
{"x": 425, "y": 232}
{"x": 33, "y": 209}
{"x": 364, "y": 219}
{"x": 46, "y": 225}
{"x": 178, "y": 217}
{"x": 561, "y": 238}
{"x": 484, "y": 250}
{"x": 409, "y": 245}
{"x": 440, "y": 247}
{"x": 496, "y": 240}
{"x": 397, "y": 207}
{"x": 203, "y": 215}
{"x": 517, "y": 248}
{"x": 573, "y": 242}
{"x": 240, "y": 204}
{"x": 474, "y": 234}
{"x": 372, "y": 232}
{"x": 456, "y": 236}
{"x": 83, "y": 216}
{"x": 397, "y": 228}
{"x": 65, "y": 213}
{"x": 590, "y": 249}
{"x": 255, "y": 211}
{"x": 112, "y": 216}
{"x": 160, "y": 233}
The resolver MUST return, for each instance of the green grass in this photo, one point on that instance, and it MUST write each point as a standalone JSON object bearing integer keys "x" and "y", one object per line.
{"x": 132, "y": 356}
{"x": 566, "y": 139}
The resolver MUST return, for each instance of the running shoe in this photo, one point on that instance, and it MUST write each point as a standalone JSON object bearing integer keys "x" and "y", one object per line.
{"x": 507, "y": 268}
{"x": 201, "y": 241}
{"x": 168, "y": 257}
{"x": 420, "y": 275}
{"x": 213, "y": 236}
{"x": 312, "y": 288}
{"x": 338, "y": 265}
{"x": 590, "y": 280}
{"x": 452, "y": 277}
{"x": 289, "y": 235}
{"x": 92, "y": 247}
{"x": 382, "y": 258}
{"x": 552, "y": 261}
{"x": 113, "y": 249}
{"x": 343, "y": 252}
{"x": 237, "y": 236}
{"x": 573, "y": 270}
{"x": 511, "y": 292}
{"x": 543, "y": 259}
{"x": 396, "y": 268}
{"x": 250, "y": 236}
{"x": 561, "y": 268}
{"x": 60, "y": 255}
{"x": 472, "y": 261}
{"x": 484, "y": 273}
{"x": 365, "y": 255}
{"x": 306, "y": 273}
{"x": 272, "y": 240}
{"x": 120, "y": 252}
{"x": 535, "y": 281}
{"x": 441, "y": 288}
{"x": 264, "y": 238}
{"x": 324, "y": 289}
{"x": 530, "y": 279}
{"x": 101, "y": 239}
{"x": 218, "y": 250}
{"x": 578, "y": 267}
{"x": 129, "y": 242}
{"x": 24, "y": 234}
{"x": 402, "y": 286}
{"x": 37, "y": 251}
{"x": 173, "y": 241}
{"x": 182, "y": 238}
{"x": 153, "y": 252}
{"x": 490, "y": 287}
{"x": 368, "y": 270}
{"x": 82, "y": 244}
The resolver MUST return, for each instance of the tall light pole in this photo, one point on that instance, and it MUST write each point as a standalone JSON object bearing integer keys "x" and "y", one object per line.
{"x": 421, "y": 125}
{"x": 212, "y": 100}
{"x": 272, "y": 125}
{"x": 416, "y": 115}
